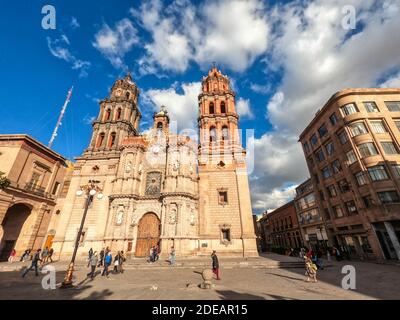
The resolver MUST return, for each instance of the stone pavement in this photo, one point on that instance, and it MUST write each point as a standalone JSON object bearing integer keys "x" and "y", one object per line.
{"x": 239, "y": 281}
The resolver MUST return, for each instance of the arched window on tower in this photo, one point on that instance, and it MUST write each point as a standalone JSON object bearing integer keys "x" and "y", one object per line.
{"x": 119, "y": 113}
{"x": 112, "y": 140}
{"x": 108, "y": 115}
{"x": 223, "y": 108}
{"x": 213, "y": 134}
{"x": 159, "y": 128}
{"x": 225, "y": 133}
{"x": 100, "y": 140}
{"x": 212, "y": 109}
{"x": 128, "y": 95}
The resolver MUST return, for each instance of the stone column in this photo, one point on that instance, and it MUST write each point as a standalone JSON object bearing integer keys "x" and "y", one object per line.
{"x": 393, "y": 238}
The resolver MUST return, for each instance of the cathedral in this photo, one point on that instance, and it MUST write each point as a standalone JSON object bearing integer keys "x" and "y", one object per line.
{"x": 160, "y": 187}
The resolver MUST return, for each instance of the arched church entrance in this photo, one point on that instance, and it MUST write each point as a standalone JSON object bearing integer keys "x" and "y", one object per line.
{"x": 12, "y": 225}
{"x": 148, "y": 234}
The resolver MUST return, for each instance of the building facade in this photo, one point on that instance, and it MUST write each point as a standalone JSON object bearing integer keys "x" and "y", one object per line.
{"x": 36, "y": 174}
{"x": 284, "y": 228}
{"x": 352, "y": 152}
{"x": 160, "y": 187}
{"x": 310, "y": 219}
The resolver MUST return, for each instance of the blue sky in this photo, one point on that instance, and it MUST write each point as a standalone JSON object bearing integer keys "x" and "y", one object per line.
{"x": 285, "y": 59}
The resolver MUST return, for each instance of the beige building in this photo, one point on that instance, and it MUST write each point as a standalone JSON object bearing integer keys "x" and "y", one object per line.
{"x": 310, "y": 219}
{"x": 161, "y": 187}
{"x": 36, "y": 174}
{"x": 352, "y": 151}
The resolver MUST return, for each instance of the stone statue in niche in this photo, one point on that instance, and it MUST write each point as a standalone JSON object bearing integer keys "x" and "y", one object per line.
{"x": 192, "y": 218}
{"x": 128, "y": 167}
{"x": 153, "y": 184}
{"x": 133, "y": 219}
{"x": 191, "y": 169}
{"x": 172, "y": 216}
{"x": 119, "y": 217}
{"x": 176, "y": 165}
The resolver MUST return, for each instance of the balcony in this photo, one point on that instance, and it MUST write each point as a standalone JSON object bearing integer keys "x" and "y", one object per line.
{"x": 38, "y": 191}
{"x": 309, "y": 220}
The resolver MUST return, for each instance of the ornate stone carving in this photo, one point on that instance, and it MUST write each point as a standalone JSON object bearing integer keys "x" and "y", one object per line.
{"x": 128, "y": 167}
{"x": 119, "y": 217}
{"x": 173, "y": 215}
{"x": 153, "y": 184}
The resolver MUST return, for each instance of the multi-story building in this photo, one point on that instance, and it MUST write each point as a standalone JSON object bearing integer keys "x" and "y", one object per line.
{"x": 284, "y": 227}
{"x": 310, "y": 219}
{"x": 36, "y": 174}
{"x": 265, "y": 232}
{"x": 352, "y": 152}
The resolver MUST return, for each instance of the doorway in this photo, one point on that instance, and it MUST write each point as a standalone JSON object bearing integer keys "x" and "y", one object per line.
{"x": 148, "y": 234}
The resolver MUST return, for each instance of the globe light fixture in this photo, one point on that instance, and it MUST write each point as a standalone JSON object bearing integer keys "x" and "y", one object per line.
{"x": 79, "y": 192}
{"x": 92, "y": 192}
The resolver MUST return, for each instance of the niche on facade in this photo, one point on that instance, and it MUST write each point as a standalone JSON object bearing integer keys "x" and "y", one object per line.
{"x": 225, "y": 232}
{"x": 173, "y": 214}
{"x": 119, "y": 216}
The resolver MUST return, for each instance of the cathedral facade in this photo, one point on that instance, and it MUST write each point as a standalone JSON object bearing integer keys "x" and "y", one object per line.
{"x": 161, "y": 187}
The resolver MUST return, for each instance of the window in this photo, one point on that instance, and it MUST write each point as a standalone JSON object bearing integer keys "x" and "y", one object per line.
{"x": 358, "y": 128}
{"x": 34, "y": 182}
{"x": 119, "y": 113}
{"x": 378, "y": 126}
{"x": 55, "y": 188}
{"x": 225, "y": 133}
{"x": 396, "y": 169}
{"x": 342, "y": 137}
{"x": 322, "y": 131}
{"x": 344, "y": 186}
{"x": 306, "y": 147}
{"x": 211, "y": 108}
{"x": 338, "y": 211}
{"x": 397, "y": 122}
{"x": 389, "y": 147}
{"x": 108, "y": 115}
{"x": 223, "y": 108}
{"x": 368, "y": 201}
{"x": 226, "y": 235}
{"x": 388, "y": 197}
{"x": 320, "y": 155}
{"x": 314, "y": 139}
{"x": 112, "y": 139}
{"x": 351, "y": 207}
{"x": 371, "y": 107}
{"x": 223, "y": 197}
{"x": 332, "y": 191}
{"x": 330, "y": 149}
{"x": 349, "y": 109}
{"x": 100, "y": 140}
{"x": 377, "y": 173}
{"x": 333, "y": 119}
{"x": 367, "y": 149}
{"x": 213, "y": 134}
{"x": 351, "y": 157}
{"x": 326, "y": 173}
{"x": 361, "y": 178}
{"x": 393, "y": 106}
{"x": 336, "y": 167}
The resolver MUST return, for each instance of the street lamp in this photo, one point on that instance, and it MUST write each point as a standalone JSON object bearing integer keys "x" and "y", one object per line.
{"x": 90, "y": 190}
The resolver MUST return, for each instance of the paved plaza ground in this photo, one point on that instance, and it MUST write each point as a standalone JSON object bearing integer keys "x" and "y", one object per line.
{"x": 253, "y": 279}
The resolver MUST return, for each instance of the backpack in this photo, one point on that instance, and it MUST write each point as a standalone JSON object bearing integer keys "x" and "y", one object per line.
{"x": 108, "y": 259}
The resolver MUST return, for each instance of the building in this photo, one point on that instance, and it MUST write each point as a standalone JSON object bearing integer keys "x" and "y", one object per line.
{"x": 352, "y": 152}
{"x": 284, "y": 227}
{"x": 310, "y": 219}
{"x": 160, "y": 187}
{"x": 265, "y": 232}
{"x": 36, "y": 174}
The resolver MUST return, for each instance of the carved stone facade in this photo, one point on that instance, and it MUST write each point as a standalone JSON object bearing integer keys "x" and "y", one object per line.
{"x": 152, "y": 183}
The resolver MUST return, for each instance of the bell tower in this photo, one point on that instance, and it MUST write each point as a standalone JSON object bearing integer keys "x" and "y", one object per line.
{"x": 226, "y": 220}
{"x": 118, "y": 118}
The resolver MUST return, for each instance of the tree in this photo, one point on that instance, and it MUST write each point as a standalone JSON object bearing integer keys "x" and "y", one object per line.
{"x": 4, "y": 182}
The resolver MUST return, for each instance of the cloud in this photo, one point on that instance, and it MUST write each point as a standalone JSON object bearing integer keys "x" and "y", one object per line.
{"x": 59, "y": 49}
{"x": 393, "y": 82}
{"x": 243, "y": 108}
{"x": 232, "y": 33}
{"x": 74, "y": 24}
{"x": 258, "y": 88}
{"x": 88, "y": 119}
{"x": 181, "y": 106}
{"x": 115, "y": 43}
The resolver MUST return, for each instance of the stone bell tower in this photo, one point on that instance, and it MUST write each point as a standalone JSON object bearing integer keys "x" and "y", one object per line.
{"x": 118, "y": 118}
{"x": 226, "y": 221}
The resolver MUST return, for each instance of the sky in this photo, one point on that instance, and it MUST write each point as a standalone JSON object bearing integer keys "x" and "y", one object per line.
{"x": 285, "y": 59}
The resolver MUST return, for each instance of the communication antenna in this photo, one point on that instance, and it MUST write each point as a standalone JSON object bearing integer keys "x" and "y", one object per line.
{"x": 54, "y": 135}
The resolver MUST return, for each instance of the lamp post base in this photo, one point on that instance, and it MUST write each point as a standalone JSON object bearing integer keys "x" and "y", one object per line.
{"x": 67, "y": 283}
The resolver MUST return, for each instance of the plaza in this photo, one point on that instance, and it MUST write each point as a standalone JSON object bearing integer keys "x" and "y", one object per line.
{"x": 270, "y": 277}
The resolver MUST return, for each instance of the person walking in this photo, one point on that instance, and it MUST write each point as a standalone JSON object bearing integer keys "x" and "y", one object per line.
{"x": 172, "y": 257}
{"x": 51, "y": 252}
{"x": 311, "y": 269}
{"x": 12, "y": 256}
{"x": 35, "y": 260}
{"x": 151, "y": 252}
{"x": 45, "y": 253}
{"x": 215, "y": 264}
{"x": 107, "y": 263}
{"x": 116, "y": 263}
{"x": 90, "y": 254}
{"x": 156, "y": 252}
{"x": 101, "y": 258}
{"x": 93, "y": 263}
{"x": 122, "y": 259}
{"x": 25, "y": 255}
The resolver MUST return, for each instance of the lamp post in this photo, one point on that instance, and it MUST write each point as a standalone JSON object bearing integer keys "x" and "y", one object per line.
{"x": 89, "y": 190}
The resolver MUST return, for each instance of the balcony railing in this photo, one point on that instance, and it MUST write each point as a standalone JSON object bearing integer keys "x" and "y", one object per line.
{"x": 36, "y": 190}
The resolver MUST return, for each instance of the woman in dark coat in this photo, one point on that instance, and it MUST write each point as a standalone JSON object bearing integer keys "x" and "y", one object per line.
{"x": 215, "y": 264}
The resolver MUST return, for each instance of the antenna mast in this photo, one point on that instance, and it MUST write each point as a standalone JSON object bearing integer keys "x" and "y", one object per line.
{"x": 54, "y": 135}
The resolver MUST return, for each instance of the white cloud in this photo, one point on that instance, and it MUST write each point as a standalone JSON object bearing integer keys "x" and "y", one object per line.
{"x": 59, "y": 49}
{"x": 393, "y": 82}
{"x": 88, "y": 119}
{"x": 232, "y": 33}
{"x": 74, "y": 24}
{"x": 115, "y": 43}
{"x": 182, "y": 107}
{"x": 243, "y": 108}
